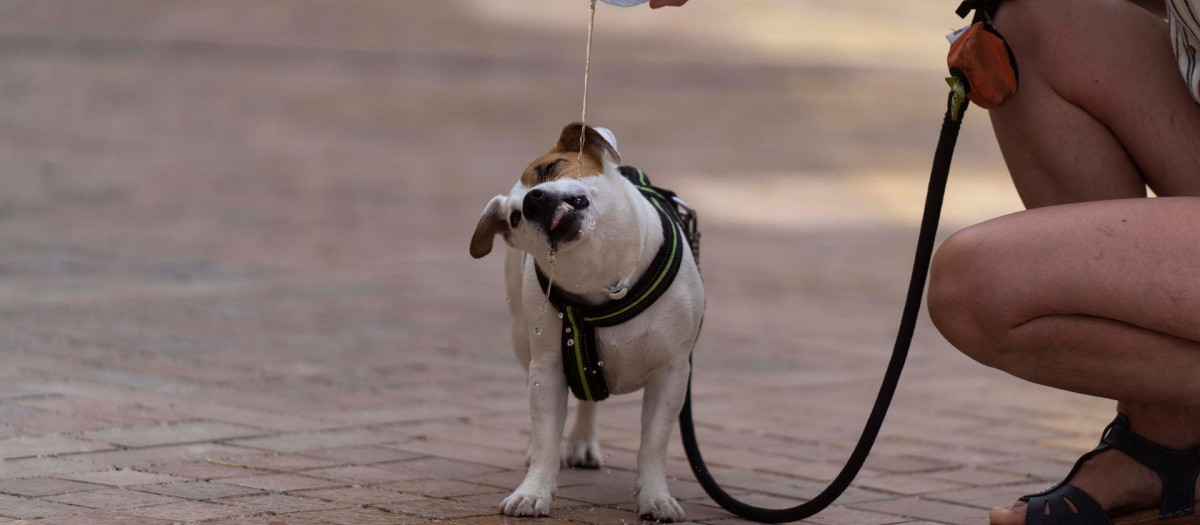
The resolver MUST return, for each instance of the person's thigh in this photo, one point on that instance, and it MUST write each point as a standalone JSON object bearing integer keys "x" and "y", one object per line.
{"x": 1134, "y": 260}
{"x": 1104, "y": 71}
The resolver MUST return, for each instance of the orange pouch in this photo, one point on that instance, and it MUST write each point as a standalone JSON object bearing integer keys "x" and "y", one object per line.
{"x": 982, "y": 58}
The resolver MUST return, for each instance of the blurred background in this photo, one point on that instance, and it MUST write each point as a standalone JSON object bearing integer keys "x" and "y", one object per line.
{"x": 258, "y": 213}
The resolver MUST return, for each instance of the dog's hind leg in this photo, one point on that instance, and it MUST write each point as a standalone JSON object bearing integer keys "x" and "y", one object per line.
{"x": 583, "y": 446}
{"x": 661, "y": 403}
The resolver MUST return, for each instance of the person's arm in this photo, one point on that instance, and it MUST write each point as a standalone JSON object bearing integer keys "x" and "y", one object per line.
{"x": 655, "y": 4}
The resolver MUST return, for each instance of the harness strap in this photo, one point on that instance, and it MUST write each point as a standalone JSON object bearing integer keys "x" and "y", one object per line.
{"x": 581, "y": 356}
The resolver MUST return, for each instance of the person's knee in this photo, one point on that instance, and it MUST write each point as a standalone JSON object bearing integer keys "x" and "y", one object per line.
{"x": 965, "y": 296}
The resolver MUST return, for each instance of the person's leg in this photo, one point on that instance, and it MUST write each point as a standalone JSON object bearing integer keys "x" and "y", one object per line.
{"x": 1102, "y": 109}
{"x": 1100, "y": 298}
{"x": 1101, "y": 112}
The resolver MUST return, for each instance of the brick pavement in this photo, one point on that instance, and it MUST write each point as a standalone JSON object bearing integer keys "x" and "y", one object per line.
{"x": 236, "y": 290}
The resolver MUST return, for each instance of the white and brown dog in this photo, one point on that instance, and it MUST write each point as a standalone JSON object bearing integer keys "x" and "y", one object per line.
{"x": 603, "y": 235}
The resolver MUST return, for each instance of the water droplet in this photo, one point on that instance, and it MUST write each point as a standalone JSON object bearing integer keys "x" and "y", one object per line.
{"x": 570, "y": 342}
{"x": 592, "y": 225}
{"x": 599, "y": 363}
{"x": 543, "y": 308}
{"x": 535, "y": 383}
{"x": 537, "y": 330}
{"x": 568, "y": 329}
{"x": 560, "y": 316}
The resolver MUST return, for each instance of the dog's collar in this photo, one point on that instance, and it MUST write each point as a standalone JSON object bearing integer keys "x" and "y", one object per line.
{"x": 581, "y": 360}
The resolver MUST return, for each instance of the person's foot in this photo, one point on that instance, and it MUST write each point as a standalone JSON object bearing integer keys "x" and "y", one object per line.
{"x": 1117, "y": 482}
{"x": 1113, "y": 479}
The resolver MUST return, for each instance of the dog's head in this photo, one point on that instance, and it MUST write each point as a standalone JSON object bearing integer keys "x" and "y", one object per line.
{"x": 558, "y": 200}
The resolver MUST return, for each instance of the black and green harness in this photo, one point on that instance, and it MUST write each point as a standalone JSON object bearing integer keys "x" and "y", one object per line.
{"x": 581, "y": 356}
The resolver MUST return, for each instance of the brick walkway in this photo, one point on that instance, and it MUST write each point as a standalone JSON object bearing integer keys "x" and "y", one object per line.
{"x": 236, "y": 286}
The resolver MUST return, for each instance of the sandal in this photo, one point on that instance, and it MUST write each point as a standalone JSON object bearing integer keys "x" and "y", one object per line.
{"x": 1064, "y": 504}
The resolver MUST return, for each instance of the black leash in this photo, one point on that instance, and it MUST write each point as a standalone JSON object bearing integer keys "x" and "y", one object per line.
{"x": 956, "y": 106}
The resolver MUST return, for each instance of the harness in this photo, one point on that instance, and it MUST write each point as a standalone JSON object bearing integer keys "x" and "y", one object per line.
{"x": 580, "y": 355}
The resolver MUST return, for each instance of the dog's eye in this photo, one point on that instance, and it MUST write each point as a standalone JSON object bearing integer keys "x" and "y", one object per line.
{"x": 514, "y": 219}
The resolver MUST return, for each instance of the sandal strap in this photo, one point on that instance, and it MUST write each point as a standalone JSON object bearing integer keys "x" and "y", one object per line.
{"x": 1178, "y": 469}
{"x": 1051, "y": 508}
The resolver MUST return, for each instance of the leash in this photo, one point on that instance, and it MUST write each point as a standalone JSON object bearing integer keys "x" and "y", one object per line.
{"x": 587, "y": 69}
{"x": 956, "y": 107}
{"x": 983, "y": 70}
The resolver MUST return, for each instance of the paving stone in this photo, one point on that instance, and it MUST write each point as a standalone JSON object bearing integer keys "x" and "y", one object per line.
{"x": 906, "y": 484}
{"x": 977, "y": 477}
{"x": 305, "y": 441}
{"x": 121, "y": 478}
{"x": 499, "y": 458}
{"x": 278, "y": 503}
{"x": 14, "y": 507}
{"x": 284, "y": 462}
{"x": 46, "y": 445}
{"x": 360, "y": 474}
{"x": 203, "y": 469}
{"x": 362, "y": 455}
{"x": 598, "y": 494}
{"x": 198, "y": 490}
{"x": 434, "y": 508}
{"x": 289, "y": 519}
{"x": 441, "y": 488}
{"x": 839, "y": 515}
{"x": 693, "y": 511}
{"x": 43, "y": 486}
{"x": 988, "y": 497}
{"x": 32, "y": 467}
{"x": 98, "y": 517}
{"x": 112, "y": 499}
{"x": 159, "y": 434}
{"x": 918, "y": 508}
{"x": 499, "y": 519}
{"x": 1037, "y": 469}
{"x": 598, "y": 515}
{"x": 281, "y": 482}
{"x": 436, "y": 468}
{"x": 359, "y": 516}
{"x": 187, "y": 511}
{"x": 357, "y": 495}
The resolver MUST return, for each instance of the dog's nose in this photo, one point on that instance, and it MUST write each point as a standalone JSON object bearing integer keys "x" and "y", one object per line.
{"x": 537, "y": 204}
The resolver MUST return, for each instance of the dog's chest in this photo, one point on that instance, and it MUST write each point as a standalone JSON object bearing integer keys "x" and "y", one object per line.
{"x": 630, "y": 353}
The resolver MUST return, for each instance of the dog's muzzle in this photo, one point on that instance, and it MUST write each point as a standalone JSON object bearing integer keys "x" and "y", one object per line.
{"x": 554, "y": 212}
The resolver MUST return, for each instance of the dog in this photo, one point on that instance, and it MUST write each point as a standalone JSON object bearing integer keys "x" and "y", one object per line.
{"x": 590, "y": 230}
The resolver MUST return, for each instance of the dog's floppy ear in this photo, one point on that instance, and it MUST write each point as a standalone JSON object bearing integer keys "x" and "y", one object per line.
{"x": 596, "y": 143}
{"x": 490, "y": 223}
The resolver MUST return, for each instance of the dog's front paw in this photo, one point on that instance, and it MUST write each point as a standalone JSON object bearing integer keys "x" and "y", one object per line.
{"x": 534, "y": 503}
{"x": 584, "y": 453}
{"x": 659, "y": 507}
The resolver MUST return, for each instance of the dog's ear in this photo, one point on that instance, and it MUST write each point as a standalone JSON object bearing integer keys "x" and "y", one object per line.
{"x": 596, "y": 142}
{"x": 490, "y": 224}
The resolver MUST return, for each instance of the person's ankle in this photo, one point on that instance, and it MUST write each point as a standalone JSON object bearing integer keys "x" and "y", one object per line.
{"x": 1176, "y": 427}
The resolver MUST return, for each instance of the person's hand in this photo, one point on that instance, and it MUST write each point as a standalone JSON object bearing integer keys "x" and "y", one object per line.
{"x": 655, "y": 4}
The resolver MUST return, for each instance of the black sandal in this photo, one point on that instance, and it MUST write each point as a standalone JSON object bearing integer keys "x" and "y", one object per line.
{"x": 1064, "y": 504}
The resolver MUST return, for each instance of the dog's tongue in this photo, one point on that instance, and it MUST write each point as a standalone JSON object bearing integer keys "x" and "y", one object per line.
{"x": 559, "y": 213}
